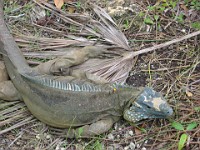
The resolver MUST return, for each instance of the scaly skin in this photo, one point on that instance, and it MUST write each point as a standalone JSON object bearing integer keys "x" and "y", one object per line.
{"x": 76, "y": 102}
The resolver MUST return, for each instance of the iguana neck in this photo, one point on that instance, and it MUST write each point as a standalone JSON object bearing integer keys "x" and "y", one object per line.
{"x": 126, "y": 95}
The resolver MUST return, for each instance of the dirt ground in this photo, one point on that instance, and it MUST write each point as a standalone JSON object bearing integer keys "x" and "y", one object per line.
{"x": 172, "y": 70}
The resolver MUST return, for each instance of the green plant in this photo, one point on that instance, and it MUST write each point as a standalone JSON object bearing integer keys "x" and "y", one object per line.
{"x": 148, "y": 21}
{"x": 72, "y": 28}
{"x": 163, "y": 5}
{"x": 80, "y": 131}
{"x": 196, "y": 25}
{"x": 194, "y": 4}
{"x": 197, "y": 109}
{"x": 94, "y": 145}
{"x": 180, "y": 18}
{"x": 126, "y": 24}
{"x": 78, "y": 5}
{"x": 184, "y": 136}
{"x": 141, "y": 14}
{"x": 98, "y": 145}
{"x": 143, "y": 130}
{"x": 158, "y": 9}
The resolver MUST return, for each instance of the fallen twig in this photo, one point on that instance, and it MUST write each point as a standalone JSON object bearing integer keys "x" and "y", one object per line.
{"x": 132, "y": 54}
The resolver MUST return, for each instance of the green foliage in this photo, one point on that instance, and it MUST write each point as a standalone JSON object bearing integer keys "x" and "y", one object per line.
{"x": 191, "y": 126}
{"x": 48, "y": 13}
{"x": 72, "y": 28}
{"x": 196, "y": 25}
{"x": 182, "y": 141}
{"x": 14, "y": 7}
{"x": 141, "y": 14}
{"x": 184, "y": 136}
{"x": 173, "y": 4}
{"x": 64, "y": 7}
{"x": 94, "y": 145}
{"x": 178, "y": 126}
{"x": 78, "y": 5}
{"x": 193, "y": 4}
{"x": 126, "y": 24}
{"x": 80, "y": 131}
{"x": 163, "y": 5}
{"x": 180, "y": 18}
{"x": 156, "y": 17}
{"x": 159, "y": 8}
{"x": 197, "y": 109}
{"x": 151, "y": 8}
{"x": 148, "y": 21}
{"x": 141, "y": 129}
{"x": 98, "y": 145}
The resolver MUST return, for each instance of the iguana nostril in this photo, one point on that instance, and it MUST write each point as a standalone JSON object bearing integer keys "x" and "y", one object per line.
{"x": 169, "y": 112}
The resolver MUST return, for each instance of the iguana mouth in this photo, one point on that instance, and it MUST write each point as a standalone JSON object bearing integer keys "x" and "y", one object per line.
{"x": 134, "y": 114}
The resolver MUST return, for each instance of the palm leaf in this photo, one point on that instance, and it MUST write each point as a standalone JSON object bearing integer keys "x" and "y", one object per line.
{"x": 13, "y": 115}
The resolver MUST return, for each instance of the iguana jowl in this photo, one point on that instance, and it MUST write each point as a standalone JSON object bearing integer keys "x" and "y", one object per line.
{"x": 76, "y": 102}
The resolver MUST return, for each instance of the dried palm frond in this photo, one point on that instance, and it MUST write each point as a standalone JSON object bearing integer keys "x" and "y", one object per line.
{"x": 108, "y": 29}
{"x": 118, "y": 68}
{"x": 102, "y": 28}
{"x": 104, "y": 33}
{"x": 13, "y": 115}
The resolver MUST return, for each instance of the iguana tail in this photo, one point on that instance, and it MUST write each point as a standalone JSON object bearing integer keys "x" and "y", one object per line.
{"x": 8, "y": 46}
{"x": 2, "y": 51}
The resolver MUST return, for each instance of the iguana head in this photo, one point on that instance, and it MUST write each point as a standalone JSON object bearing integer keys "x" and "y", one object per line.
{"x": 149, "y": 104}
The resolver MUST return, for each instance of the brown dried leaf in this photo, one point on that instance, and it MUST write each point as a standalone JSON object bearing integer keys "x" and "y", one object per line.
{"x": 137, "y": 131}
{"x": 71, "y": 9}
{"x": 184, "y": 7}
{"x": 189, "y": 94}
{"x": 59, "y": 3}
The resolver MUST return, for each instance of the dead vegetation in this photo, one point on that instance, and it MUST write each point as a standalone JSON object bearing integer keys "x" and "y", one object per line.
{"x": 174, "y": 70}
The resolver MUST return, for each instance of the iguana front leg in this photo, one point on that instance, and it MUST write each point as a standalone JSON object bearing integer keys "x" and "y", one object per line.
{"x": 87, "y": 131}
{"x": 62, "y": 64}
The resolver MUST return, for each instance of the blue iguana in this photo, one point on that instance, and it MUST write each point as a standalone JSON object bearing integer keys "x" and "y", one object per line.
{"x": 71, "y": 102}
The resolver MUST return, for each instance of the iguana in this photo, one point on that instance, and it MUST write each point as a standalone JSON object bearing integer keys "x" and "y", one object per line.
{"x": 71, "y": 102}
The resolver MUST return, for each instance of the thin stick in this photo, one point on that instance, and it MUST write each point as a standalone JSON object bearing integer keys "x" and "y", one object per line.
{"x": 133, "y": 54}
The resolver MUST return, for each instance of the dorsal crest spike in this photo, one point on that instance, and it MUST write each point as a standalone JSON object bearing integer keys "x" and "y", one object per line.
{"x": 120, "y": 85}
{"x": 66, "y": 86}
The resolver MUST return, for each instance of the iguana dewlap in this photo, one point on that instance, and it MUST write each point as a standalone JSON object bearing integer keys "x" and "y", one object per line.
{"x": 76, "y": 102}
